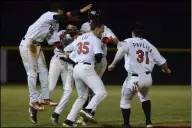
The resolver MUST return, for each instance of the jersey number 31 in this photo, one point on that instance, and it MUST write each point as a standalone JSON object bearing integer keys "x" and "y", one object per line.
{"x": 141, "y": 55}
{"x": 83, "y": 47}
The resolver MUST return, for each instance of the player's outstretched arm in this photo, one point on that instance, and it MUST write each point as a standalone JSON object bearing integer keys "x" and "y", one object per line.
{"x": 85, "y": 8}
{"x": 119, "y": 55}
{"x": 71, "y": 14}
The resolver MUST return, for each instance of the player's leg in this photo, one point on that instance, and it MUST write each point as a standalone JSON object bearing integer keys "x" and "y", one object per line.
{"x": 54, "y": 73}
{"x": 145, "y": 83}
{"x": 29, "y": 57}
{"x": 43, "y": 77}
{"x": 127, "y": 95}
{"x": 100, "y": 69}
{"x": 67, "y": 80}
{"x": 96, "y": 85}
{"x": 82, "y": 91}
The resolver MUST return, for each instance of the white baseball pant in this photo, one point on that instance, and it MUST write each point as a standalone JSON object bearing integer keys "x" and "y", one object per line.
{"x": 67, "y": 87}
{"x": 34, "y": 63}
{"x": 144, "y": 82}
{"x": 57, "y": 68}
{"x": 85, "y": 76}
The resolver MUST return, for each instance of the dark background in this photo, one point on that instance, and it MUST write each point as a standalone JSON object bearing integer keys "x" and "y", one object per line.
{"x": 168, "y": 24}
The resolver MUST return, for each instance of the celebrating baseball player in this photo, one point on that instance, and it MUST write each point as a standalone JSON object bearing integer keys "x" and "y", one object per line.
{"x": 107, "y": 37}
{"x": 88, "y": 51}
{"x": 45, "y": 28}
{"x": 140, "y": 57}
{"x": 61, "y": 66}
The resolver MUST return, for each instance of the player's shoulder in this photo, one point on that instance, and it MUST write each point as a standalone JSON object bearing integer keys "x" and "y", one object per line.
{"x": 48, "y": 15}
{"x": 86, "y": 23}
{"x": 106, "y": 28}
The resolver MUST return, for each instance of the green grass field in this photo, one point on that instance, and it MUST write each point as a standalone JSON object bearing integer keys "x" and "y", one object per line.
{"x": 170, "y": 104}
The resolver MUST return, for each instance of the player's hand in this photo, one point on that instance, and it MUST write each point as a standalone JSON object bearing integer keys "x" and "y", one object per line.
{"x": 86, "y": 8}
{"x": 111, "y": 67}
{"x": 168, "y": 71}
{"x": 59, "y": 45}
{"x": 107, "y": 40}
{"x": 135, "y": 87}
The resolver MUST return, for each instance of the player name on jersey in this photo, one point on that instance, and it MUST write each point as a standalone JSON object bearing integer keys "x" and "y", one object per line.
{"x": 142, "y": 45}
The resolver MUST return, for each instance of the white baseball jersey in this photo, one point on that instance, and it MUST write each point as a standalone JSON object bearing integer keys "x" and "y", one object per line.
{"x": 107, "y": 33}
{"x": 85, "y": 47}
{"x": 43, "y": 28}
{"x": 141, "y": 55}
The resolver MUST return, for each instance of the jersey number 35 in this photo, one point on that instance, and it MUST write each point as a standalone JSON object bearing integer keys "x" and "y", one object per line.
{"x": 83, "y": 48}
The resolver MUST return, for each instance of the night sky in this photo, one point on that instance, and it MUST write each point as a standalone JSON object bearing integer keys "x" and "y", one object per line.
{"x": 168, "y": 22}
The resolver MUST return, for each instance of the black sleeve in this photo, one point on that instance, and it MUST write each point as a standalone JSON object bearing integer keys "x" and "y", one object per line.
{"x": 60, "y": 17}
{"x": 98, "y": 57}
{"x": 76, "y": 13}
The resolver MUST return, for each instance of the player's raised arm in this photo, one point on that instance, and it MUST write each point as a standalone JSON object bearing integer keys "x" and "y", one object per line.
{"x": 72, "y": 13}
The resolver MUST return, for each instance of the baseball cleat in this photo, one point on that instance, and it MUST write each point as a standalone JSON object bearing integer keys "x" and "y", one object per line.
{"x": 37, "y": 106}
{"x": 54, "y": 121}
{"x": 68, "y": 123}
{"x": 48, "y": 102}
{"x": 87, "y": 116}
{"x": 33, "y": 115}
{"x": 149, "y": 125}
{"x": 81, "y": 121}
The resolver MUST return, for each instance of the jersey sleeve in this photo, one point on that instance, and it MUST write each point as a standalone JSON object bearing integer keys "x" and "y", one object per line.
{"x": 157, "y": 57}
{"x": 70, "y": 47}
{"x": 108, "y": 32}
{"x": 85, "y": 27}
{"x": 97, "y": 46}
{"x": 124, "y": 45}
{"x": 123, "y": 48}
{"x": 53, "y": 38}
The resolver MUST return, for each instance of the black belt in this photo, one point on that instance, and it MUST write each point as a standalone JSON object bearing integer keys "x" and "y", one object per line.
{"x": 68, "y": 60}
{"x": 138, "y": 75}
{"x": 87, "y": 63}
{"x": 62, "y": 58}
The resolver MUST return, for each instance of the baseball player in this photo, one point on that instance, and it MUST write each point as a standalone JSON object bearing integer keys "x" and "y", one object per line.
{"x": 107, "y": 37}
{"x": 88, "y": 51}
{"x": 45, "y": 28}
{"x": 60, "y": 66}
{"x": 140, "y": 57}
